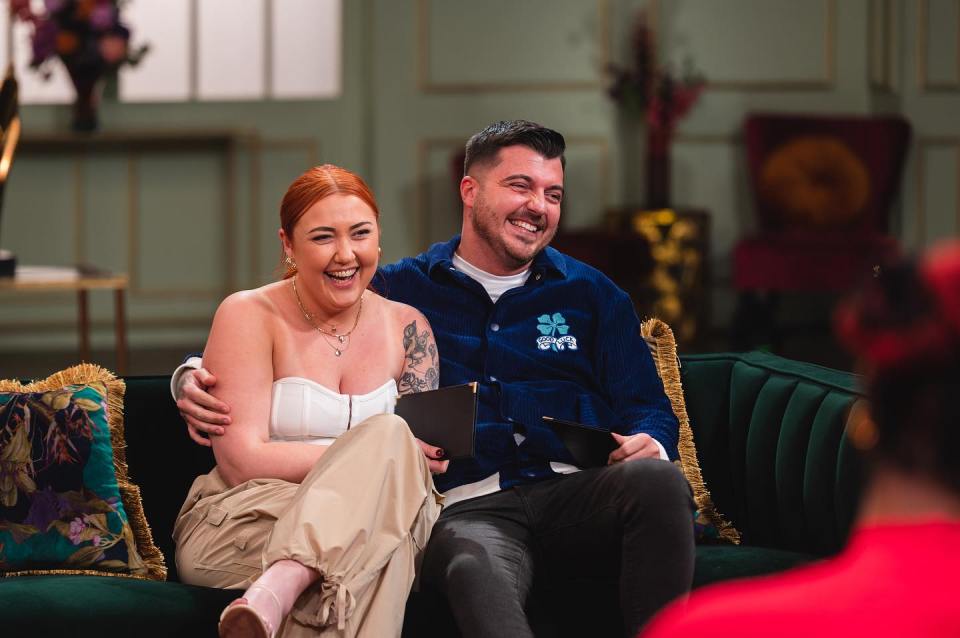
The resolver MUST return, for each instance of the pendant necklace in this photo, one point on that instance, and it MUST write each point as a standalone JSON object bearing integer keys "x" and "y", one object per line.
{"x": 343, "y": 339}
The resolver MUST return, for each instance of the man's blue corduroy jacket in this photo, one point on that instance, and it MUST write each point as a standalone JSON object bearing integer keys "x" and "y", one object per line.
{"x": 566, "y": 344}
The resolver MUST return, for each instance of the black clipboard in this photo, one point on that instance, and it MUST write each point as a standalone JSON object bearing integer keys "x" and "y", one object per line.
{"x": 588, "y": 445}
{"x": 445, "y": 417}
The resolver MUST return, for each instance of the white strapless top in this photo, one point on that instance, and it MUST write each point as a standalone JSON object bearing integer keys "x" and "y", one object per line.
{"x": 303, "y": 410}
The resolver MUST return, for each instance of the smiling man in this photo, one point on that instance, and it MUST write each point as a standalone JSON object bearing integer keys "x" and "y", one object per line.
{"x": 511, "y": 208}
{"x": 545, "y": 335}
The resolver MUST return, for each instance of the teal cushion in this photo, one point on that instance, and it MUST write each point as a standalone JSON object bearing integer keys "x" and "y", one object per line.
{"x": 60, "y": 504}
{"x": 94, "y": 606}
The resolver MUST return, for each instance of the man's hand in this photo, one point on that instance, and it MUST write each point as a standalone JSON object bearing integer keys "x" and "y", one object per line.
{"x": 637, "y": 446}
{"x": 203, "y": 413}
{"x": 434, "y": 454}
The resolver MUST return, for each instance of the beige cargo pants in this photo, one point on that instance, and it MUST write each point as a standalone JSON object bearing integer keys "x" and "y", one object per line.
{"x": 361, "y": 518}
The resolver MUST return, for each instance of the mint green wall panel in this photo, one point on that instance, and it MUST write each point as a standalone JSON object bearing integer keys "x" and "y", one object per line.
{"x": 940, "y": 45}
{"x": 182, "y": 231}
{"x": 105, "y": 212}
{"x": 278, "y": 167}
{"x": 39, "y": 211}
{"x": 502, "y": 43}
{"x": 793, "y": 44}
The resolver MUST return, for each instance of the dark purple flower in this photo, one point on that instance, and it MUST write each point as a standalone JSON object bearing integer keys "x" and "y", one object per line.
{"x": 103, "y": 16}
{"x": 46, "y": 506}
{"x": 44, "y": 41}
{"x": 54, "y": 5}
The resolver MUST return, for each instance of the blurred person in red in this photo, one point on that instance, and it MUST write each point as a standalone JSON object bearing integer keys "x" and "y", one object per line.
{"x": 896, "y": 576}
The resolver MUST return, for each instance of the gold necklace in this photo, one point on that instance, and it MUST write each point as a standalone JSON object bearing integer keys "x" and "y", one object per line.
{"x": 343, "y": 339}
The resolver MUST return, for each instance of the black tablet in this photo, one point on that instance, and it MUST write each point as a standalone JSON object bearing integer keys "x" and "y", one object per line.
{"x": 589, "y": 446}
{"x": 445, "y": 417}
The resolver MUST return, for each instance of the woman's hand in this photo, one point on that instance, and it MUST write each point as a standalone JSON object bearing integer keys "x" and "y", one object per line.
{"x": 434, "y": 454}
{"x": 204, "y": 414}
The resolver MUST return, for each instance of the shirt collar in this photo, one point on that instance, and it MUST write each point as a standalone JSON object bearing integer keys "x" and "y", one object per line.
{"x": 548, "y": 261}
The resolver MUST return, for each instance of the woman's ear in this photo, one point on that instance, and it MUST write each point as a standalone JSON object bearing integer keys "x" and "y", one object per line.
{"x": 285, "y": 242}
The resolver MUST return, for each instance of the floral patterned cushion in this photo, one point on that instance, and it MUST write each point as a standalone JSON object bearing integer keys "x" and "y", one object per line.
{"x": 66, "y": 504}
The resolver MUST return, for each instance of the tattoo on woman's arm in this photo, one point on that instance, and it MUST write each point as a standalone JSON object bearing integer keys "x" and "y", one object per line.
{"x": 420, "y": 371}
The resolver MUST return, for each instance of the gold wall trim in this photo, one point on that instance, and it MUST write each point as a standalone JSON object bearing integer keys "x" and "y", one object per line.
{"x": 603, "y": 169}
{"x": 310, "y": 144}
{"x": 255, "y": 184}
{"x": 194, "y": 50}
{"x": 427, "y": 145}
{"x": 228, "y": 144}
{"x": 137, "y": 289}
{"x": 923, "y": 16}
{"x": 882, "y": 44}
{"x": 52, "y": 299}
{"x": 732, "y": 139}
{"x": 923, "y": 145}
{"x": 427, "y": 85}
{"x": 267, "y": 49}
{"x": 420, "y": 218}
{"x": 828, "y": 81}
{"x": 79, "y": 210}
{"x": 228, "y": 212}
{"x": 133, "y": 221}
{"x": 104, "y": 325}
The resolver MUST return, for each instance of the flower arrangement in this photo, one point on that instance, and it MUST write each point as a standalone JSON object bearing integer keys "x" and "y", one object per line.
{"x": 86, "y": 35}
{"x": 647, "y": 88}
{"x": 644, "y": 86}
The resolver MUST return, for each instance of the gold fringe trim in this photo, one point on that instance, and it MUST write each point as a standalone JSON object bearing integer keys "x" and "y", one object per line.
{"x": 663, "y": 347}
{"x": 84, "y": 374}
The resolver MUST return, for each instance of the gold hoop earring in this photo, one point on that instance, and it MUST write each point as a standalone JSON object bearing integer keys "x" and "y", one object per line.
{"x": 861, "y": 429}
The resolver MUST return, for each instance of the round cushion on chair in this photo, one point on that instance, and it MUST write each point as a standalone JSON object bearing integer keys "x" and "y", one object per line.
{"x": 815, "y": 181}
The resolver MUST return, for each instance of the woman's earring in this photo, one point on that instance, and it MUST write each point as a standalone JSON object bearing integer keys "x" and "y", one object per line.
{"x": 379, "y": 251}
{"x": 861, "y": 428}
{"x": 290, "y": 262}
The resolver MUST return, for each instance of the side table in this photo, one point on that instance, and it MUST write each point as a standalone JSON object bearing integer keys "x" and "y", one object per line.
{"x": 29, "y": 279}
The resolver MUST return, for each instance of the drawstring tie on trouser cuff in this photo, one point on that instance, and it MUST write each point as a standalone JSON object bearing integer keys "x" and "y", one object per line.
{"x": 336, "y": 602}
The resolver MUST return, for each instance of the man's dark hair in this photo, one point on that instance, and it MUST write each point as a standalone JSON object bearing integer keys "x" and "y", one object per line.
{"x": 484, "y": 146}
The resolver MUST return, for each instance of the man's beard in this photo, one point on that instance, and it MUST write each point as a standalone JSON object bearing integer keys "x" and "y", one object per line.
{"x": 489, "y": 228}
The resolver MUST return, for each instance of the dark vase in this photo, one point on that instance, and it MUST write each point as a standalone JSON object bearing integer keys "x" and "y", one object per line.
{"x": 657, "y": 168}
{"x": 88, "y": 87}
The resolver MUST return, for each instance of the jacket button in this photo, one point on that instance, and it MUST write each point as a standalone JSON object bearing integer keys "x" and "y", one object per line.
{"x": 495, "y": 327}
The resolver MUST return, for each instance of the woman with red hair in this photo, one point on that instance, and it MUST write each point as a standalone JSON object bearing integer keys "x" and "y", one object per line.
{"x": 321, "y": 499}
{"x": 896, "y": 576}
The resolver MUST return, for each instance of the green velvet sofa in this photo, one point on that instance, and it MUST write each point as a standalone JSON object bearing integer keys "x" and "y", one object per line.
{"x": 769, "y": 434}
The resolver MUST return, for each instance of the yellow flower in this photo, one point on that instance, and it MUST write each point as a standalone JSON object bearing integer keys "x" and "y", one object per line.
{"x": 16, "y": 467}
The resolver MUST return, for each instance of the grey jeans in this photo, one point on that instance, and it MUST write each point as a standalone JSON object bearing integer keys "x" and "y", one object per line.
{"x": 632, "y": 521}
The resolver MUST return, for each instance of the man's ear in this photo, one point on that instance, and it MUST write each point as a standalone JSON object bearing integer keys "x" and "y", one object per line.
{"x": 468, "y": 190}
